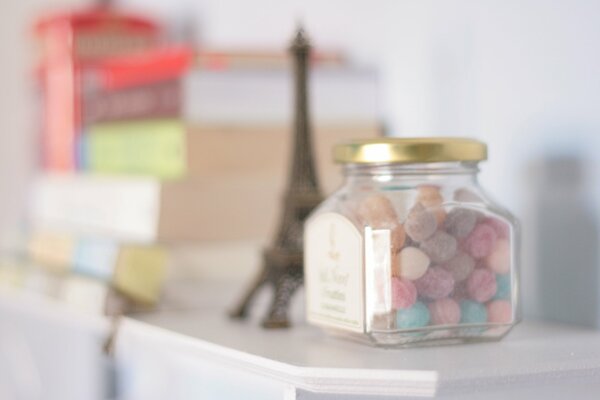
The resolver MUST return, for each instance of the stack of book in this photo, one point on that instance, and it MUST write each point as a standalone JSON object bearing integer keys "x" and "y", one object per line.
{"x": 112, "y": 104}
{"x": 163, "y": 157}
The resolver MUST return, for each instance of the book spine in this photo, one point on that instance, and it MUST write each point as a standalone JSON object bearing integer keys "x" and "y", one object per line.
{"x": 101, "y": 43}
{"x": 95, "y": 258}
{"x": 152, "y": 148}
{"x": 140, "y": 273}
{"x": 124, "y": 209}
{"x": 93, "y": 297}
{"x": 136, "y": 271}
{"x": 155, "y": 65}
{"x": 53, "y": 250}
{"x": 59, "y": 116}
{"x": 160, "y": 100}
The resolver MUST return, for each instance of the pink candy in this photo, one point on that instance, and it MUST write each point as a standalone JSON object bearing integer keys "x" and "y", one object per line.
{"x": 499, "y": 312}
{"x": 437, "y": 283}
{"x": 499, "y": 260}
{"x": 481, "y": 241}
{"x": 404, "y": 293}
{"x": 481, "y": 285}
{"x": 444, "y": 312}
{"x": 502, "y": 229}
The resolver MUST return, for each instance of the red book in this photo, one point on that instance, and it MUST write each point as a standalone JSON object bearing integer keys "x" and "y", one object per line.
{"x": 135, "y": 86}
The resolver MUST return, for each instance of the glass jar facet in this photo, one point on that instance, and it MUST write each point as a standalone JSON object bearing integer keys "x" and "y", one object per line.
{"x": 412, "y": 253}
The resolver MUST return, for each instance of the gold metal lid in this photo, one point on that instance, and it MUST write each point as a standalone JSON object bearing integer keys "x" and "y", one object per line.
{"x": 410, "y": 150}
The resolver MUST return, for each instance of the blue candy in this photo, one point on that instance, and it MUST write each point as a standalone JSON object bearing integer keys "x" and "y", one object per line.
{"x": 503, "y": 287}
{"x": 416, "y": 316}
{"x": 472, "y": 312}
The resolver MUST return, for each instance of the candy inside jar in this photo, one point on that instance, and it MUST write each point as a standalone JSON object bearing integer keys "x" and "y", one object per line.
{"x": 450, "y": 273}
{"x": 421, "y": 254}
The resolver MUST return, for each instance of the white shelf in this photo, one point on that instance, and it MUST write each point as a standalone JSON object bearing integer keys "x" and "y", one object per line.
{"x": 48, "y": 351}
{"x": 535, "y": 359}
{"x": 201, "y": 354}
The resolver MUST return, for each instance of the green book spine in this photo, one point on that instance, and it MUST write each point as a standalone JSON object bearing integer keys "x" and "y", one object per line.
{"x": 149, "y": 147}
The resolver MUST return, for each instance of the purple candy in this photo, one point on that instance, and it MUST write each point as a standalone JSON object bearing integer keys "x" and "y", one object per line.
{"x": 437, "y": 283}
{"x": 460, "y": 266}
{"x": 420, "y": 223}
{"x": 460, "y": 222}
{"x": 440, "y": 247}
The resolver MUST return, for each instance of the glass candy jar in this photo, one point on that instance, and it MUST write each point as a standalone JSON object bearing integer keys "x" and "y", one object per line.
{"x": 410, "y": 249}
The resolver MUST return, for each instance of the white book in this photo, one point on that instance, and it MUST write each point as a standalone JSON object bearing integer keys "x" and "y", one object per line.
{"x": 265, "y": 96}
{"x": 119, "y": 207}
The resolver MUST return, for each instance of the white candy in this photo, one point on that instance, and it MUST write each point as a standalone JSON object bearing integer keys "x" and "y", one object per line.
{"x": 410, "y": 263}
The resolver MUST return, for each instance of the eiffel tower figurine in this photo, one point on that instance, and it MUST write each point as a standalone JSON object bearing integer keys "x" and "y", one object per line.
{"x": 283, "y": 260}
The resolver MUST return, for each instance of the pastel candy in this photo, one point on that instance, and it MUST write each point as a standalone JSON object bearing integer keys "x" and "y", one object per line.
{"x": 466, "y": 196}
{"x": 503, "y": 287}
{"x": 411, "y": 263}
{"x": 481, "y": 285}
{"x": 377, "y": 211}
{"x": 404, "y": 293}
{"x": 429, "y": 195}
{"x": 444, "y": 312}
{"x": 416, "y": 316}
{"x": 502, "y": 229}
{"x": 481, "y": 241}
{"x": 420, "y": 223}
{"x": 437, "y": 283}
{"x": 431, "y": 198}
{"x": 460, "y": 222}
{"x": 499, "y": 260}
{"x": 440, "y": 214}
{"x": 460, "y": 266}
{"x": 499, "y": 312}
{"x": 440, "y": 247}
{"x": 398, "y": 237}
{"x": 460, "y": 291}
{"x": 472, "y": 312}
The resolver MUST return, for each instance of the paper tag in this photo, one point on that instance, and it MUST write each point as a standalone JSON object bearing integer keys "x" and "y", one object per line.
{"x": 333, "y": 265}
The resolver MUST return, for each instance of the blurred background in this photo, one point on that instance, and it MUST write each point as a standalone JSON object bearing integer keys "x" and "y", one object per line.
{"x": 521, "y": 76}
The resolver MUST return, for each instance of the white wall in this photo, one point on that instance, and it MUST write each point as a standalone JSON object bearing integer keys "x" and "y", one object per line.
{"x": 514, "y": 73}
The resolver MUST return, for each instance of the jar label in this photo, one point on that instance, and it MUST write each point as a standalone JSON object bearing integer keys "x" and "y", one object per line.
{"x": 333, "y": 259}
